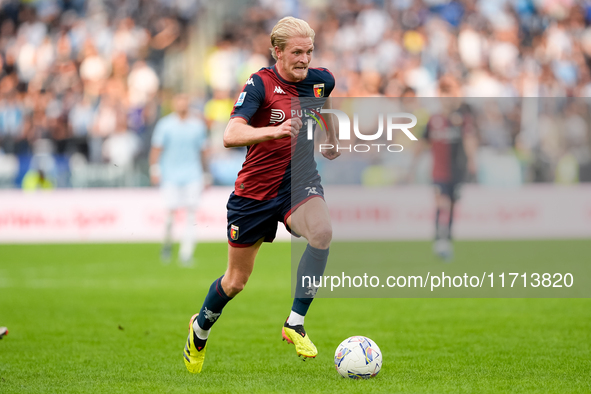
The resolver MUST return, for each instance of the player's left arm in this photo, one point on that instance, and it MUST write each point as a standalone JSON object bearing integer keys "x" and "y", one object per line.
{"x": 203, "y": 146}
{"x": 470, "y": 143}
{"x": 205, "y": 158}
{"x": 155, "y": 153}
{"x": 331, "y": 134}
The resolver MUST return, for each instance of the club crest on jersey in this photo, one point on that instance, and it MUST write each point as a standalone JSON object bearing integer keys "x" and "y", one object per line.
{"x": 319, "y": 90}
{"x": 277, "y": 116}
{"x": 234, "y": 232}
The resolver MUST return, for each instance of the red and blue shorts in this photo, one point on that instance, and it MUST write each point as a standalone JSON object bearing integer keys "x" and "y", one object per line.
{"x": 250, "y": 220}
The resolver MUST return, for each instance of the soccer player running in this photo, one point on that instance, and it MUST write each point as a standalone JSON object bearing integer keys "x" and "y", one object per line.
{"x": 451, "y": 135}
{"x": 177, "y": 164}
{"x": 265, "y": 192}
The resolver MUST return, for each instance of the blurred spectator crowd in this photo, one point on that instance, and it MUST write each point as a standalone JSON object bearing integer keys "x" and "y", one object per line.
{"x": 87, "y": 76}
{"x": 496, "y": 48}
{"x": 79, "y": 85}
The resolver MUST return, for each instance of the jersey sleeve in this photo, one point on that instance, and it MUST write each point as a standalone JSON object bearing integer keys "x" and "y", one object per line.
{"x": 159, "y": 134}
{"x": 427, "y": 131}
{"x": 329, "y": 81}
{"x": 250, "y": 99}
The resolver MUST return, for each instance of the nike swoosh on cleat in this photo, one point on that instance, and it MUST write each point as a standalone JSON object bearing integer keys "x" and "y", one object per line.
{"x": 199, "y": 348}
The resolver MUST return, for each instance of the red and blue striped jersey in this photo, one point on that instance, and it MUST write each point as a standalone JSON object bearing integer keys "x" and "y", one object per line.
{"x": 446, "y": 132}
{"x": 266, "y": 100}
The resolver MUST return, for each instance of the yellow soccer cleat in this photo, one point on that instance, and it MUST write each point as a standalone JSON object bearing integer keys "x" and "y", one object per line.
{"x": 194, "y": 355}
{"x": 297, "y": 335}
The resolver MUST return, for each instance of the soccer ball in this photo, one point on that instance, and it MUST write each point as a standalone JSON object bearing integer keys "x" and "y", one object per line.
{"x": 358, "y": 357}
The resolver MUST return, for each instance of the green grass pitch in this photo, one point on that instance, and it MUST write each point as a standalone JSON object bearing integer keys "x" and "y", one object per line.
{"x": 110, "y": 318}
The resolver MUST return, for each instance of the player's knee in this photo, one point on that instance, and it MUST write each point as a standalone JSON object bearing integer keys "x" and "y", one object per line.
{"x": 321, "y": 237}
{"x": 444, "y": 202}
{"x": 235, "y": 286}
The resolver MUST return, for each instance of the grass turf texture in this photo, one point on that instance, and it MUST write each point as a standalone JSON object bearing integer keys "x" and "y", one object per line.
{"x": 111, "y": 318}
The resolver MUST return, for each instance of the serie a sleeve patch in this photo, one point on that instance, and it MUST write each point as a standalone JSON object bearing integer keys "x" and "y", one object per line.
{"x": 240, "y": 100}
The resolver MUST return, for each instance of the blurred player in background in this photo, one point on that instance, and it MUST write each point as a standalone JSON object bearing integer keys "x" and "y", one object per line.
{"x": 267, "y": 191}
{"x": 3, "y": 331}
{"x": 177, "y": 164}
{"x": 451, "y": 136}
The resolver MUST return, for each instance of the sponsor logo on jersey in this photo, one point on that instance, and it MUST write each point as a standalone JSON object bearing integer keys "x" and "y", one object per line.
{"x": 250, "y": 82}
{"x": 278, "y": 90}
{"x": 319, "y": 90}
{"x": 277, "y": 116}
{"x": 234, "y": 232}
{"x": 240, "y": 99}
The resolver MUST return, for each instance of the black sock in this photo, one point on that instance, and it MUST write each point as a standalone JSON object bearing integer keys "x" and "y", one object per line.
{"x": 312, "y": 265}
{"x": 450, "y": 219}
{"x": 199, "y": 343}
{"x": 437, "y": 212}
{"x": 215, "y": 301}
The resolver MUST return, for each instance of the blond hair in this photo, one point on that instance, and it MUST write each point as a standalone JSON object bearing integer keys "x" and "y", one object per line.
{"x": 287, "y": 28}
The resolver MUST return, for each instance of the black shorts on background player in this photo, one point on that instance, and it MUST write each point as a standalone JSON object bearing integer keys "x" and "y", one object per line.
{"x": 450, "y": 189}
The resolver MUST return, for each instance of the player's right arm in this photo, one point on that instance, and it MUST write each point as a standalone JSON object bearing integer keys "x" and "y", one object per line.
{"x": 470, "y": 142}
{"x": 156, "y": 148}
{"x": 422, "y": 145}
{"x": 331, "y": 134}
{"x": 240, "y": 133}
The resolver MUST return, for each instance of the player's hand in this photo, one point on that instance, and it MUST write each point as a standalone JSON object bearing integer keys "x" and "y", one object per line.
{"x": 289, "y": 128}
{"x": 154, "y": 179}
{"x": 155, "y": 174}
{"x": 472, "y": 168}
{"x": 207, "y": 180}
{"x": 332, "y": 153}
{"x": 408, "y": 178}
